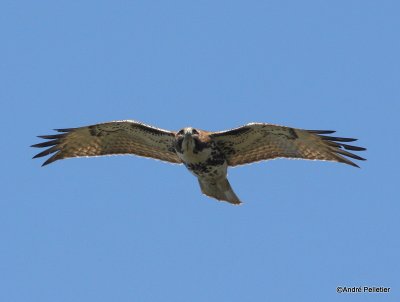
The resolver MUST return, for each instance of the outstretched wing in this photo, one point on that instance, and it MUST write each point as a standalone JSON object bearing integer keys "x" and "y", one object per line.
{"x": 119, "y": 137}
{"x": 256, "y": 141}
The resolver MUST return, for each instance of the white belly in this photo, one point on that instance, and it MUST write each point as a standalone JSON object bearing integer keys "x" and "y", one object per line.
{"x": 190, "y": 156}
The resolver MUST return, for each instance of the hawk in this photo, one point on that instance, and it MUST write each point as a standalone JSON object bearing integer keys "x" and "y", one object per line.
{"x": 207, "y": 155}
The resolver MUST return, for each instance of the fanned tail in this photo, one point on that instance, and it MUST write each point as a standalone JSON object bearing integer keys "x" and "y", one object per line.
{"x": 219, "y": 189}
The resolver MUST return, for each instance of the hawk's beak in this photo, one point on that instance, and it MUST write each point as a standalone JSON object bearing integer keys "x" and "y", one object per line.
{"x": 187, "y": 140}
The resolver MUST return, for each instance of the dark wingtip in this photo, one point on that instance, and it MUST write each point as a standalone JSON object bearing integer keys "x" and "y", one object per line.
{"x": 47, "y": 152}
{"x": 348, "y": 154}
{"x": 64, "y": 130}
{"x": 337, "y": 146}
{"x": 346, "y": 161}
{"x": 52, "y": 136}
{"x": 41, "y": 154}
{"x": 337, "y": 139}
{"x": 321, "y": 131}
{"x": 45, "y": 144}
{"x": 50, "y": 160}
{"x": 351, "y": 164}
{"x": 353, "y": 148}
{"x": 45, "y": 163}
{"x": 53, "y": 143}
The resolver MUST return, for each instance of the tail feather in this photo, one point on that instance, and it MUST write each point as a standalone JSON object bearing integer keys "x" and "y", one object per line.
{"x": 219, "y": 189}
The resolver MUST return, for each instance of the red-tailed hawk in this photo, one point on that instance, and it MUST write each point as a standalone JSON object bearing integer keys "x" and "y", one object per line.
{"x": 207, "y": 155}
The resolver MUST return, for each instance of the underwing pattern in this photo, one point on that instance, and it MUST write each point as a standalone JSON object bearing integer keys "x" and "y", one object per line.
{"x": 207, "y": 155}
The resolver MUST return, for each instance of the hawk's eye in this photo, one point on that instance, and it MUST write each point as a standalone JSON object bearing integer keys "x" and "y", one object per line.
{"x": 195, "y": 132}
{"x": 180, "y": 132}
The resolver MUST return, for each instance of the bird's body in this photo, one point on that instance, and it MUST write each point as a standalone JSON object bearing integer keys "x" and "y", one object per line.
{"x": 207, "y": 155}
{"x": 207, "y": 162}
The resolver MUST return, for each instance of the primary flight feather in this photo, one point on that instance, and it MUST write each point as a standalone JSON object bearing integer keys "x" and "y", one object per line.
{"x": 205, "y": 154}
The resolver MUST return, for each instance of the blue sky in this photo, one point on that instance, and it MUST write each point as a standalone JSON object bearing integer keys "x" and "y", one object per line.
{"x": 133, "y": 229}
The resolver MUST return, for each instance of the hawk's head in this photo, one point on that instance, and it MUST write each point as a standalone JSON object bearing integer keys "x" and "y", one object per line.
{"x": 188, "y": 131}
{"x": 189, "y": 140}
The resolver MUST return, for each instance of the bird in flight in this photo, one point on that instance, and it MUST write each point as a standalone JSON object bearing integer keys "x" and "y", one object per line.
{"x": 207, "y": 155}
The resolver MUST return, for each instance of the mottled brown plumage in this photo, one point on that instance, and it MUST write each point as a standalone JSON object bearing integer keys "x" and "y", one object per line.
{"x": 113, "y": 138}
{"x": 256, "y": 141}
{"x": 206, "y": 154}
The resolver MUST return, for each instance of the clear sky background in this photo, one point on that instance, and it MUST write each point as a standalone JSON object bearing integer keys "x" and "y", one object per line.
{"x": 133, "y": 229}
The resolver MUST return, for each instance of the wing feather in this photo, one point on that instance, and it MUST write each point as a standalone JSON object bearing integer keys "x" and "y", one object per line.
{"x": 257, "y": 141}
{"x": 118, "y": 137}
